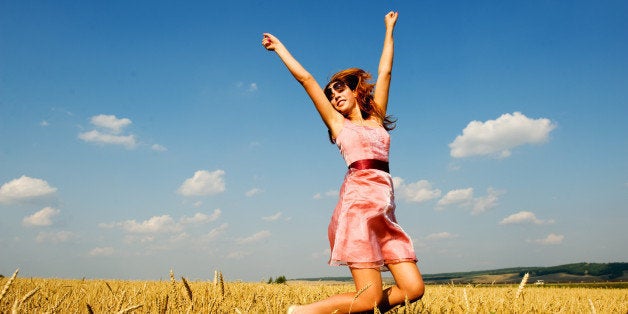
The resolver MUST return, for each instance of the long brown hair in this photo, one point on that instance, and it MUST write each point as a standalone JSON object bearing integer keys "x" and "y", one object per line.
{"x": 358, "y": 80}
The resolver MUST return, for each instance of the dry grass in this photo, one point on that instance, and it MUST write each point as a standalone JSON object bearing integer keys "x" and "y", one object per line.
{"x": 35, "y": 295}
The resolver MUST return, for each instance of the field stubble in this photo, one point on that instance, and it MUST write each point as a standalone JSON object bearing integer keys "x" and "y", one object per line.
{"x": 40, "y": 295}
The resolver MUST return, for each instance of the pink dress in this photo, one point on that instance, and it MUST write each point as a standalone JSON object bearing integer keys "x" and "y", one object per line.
{"x": 363, "y": 232}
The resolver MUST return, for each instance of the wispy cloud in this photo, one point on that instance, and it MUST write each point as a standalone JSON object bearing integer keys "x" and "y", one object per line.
{"x": 24, "y": 188}
{"x": 465, "y": 198}
{"x": 252, "y": 192}
{"x": 200, "y": 218}
{"x": 484, "y": 203}
{"x": 551, "y": 239}
{"x": 55, "y": 237}
{"x": 255, "y": 237}
{"x": 248, "y": 87}
{"x": 203, "y": 183}
{"x": 330, "y": 193}
{"x": 158, "y": 148}
{"x": 252, "y": 87}
{"x": 238, "y": 255}
{"x": 441, "y": 236}
{"x": 498, "y": 137}
{"x": 102, "y": 251}
{"x": 524, "y": 217}
{"x": 272, "y": 217}
{"x": 214, "y": 233}
{"x": 41, "y": 218}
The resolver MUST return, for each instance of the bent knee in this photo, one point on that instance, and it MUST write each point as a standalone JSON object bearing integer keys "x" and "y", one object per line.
{"x": 367, "y": 300}
{"x": 414, "y": 292}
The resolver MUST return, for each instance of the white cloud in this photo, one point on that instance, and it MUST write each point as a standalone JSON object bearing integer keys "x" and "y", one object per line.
{"x": 330, "y": 193}
{"x": 417, "y": 192}
{"x": 203, "y": 183}
{"x": 55, "y": 237}
{"x": 252, "y": 87}
{"x": 110, "y": 122}
{"x": 464, "y": 198}
{"x": 147, "y": 230}
{"x": 457, "y": 197}
{"x": 101, "y": 251}
{"x": 109, "y": 133}
{"x": 482, "y": 204}
{"x": 498, "y": 137}
{"x": 24, "y": 188}
{"x": 96, "y": 136}
{"x": 523, "y": 217}
{"x": 158, "y": 148}
{"x": 200, "y": 218}
{"x": 156, "y": 224}
{"x": 272, "y": 217}
{"x": 41, "y": 218}
{"x": 321, "y": 254}
{"x": 255, "y": 238}
{"x": 253, "y": 192}
{"x": 551, "y": 239}
{"x": 441, "y": 235}
{"x": 238, "y": 255}
{"x": 214, "y": 233}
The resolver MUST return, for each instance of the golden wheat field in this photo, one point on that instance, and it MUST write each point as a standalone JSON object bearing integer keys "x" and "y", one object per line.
{"x": 39, "y": 295}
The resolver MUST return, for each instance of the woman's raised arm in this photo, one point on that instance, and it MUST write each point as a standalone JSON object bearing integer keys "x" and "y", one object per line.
{"x": 384, "y": 71}
{"x": 331, "y": 117}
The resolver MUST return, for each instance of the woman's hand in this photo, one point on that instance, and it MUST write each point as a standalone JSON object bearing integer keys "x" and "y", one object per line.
{"x": 270, "y": 42}
{"x": 390, "y": 19}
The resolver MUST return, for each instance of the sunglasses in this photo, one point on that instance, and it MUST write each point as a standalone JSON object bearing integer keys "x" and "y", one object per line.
{"x": 337, "y": 86}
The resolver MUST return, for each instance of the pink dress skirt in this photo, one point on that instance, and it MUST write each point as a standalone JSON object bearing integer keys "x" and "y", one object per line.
{"x": 363, "y": 231}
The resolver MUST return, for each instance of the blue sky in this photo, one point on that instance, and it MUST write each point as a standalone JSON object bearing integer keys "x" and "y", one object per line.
{"x": 138, "y": 137}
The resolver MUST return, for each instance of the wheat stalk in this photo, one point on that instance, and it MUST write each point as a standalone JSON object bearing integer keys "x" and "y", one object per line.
{"x": 163, "y": 307}
{"x": 8, "y": 284}
{"x": 18, "y": 303}
{"x": 466, "y": 299}
{"x": 221, "y": 282}
{"x": 56, "y": 305}
{"x": 524, "y": 280}
{"x": 110, "y": 289}
{"x": 357, "y": 294}
{"x": 187, "y": 288}
{"x": 174, "y": 289}
{"x": 130, "y": 309}
{"x": 189, "y": 293}
{"x": 121, "y": 300}
{"x": 592, "y": 307}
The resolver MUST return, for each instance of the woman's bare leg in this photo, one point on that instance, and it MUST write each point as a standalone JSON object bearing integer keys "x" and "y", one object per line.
{"x": 368, "y": 295}
{"x": 409, "y": 285}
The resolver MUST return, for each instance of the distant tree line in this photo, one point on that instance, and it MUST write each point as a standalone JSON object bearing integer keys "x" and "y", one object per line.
{"x": 280, "y": 279}
{"x": 607, "y": 271}
{"x": 610, "y": 270}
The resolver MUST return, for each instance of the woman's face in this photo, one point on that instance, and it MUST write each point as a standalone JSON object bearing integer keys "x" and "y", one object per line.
{"x": 341, "y": 97}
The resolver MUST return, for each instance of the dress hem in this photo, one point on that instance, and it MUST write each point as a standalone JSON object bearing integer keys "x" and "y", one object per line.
{"x": 381, "y": 265}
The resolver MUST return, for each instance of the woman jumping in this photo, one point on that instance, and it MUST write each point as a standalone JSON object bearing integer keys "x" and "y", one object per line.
{"x": 363, "y": 232}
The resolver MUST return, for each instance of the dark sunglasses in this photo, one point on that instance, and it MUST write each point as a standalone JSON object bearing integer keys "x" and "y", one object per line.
{"x": 337, "y": 86}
